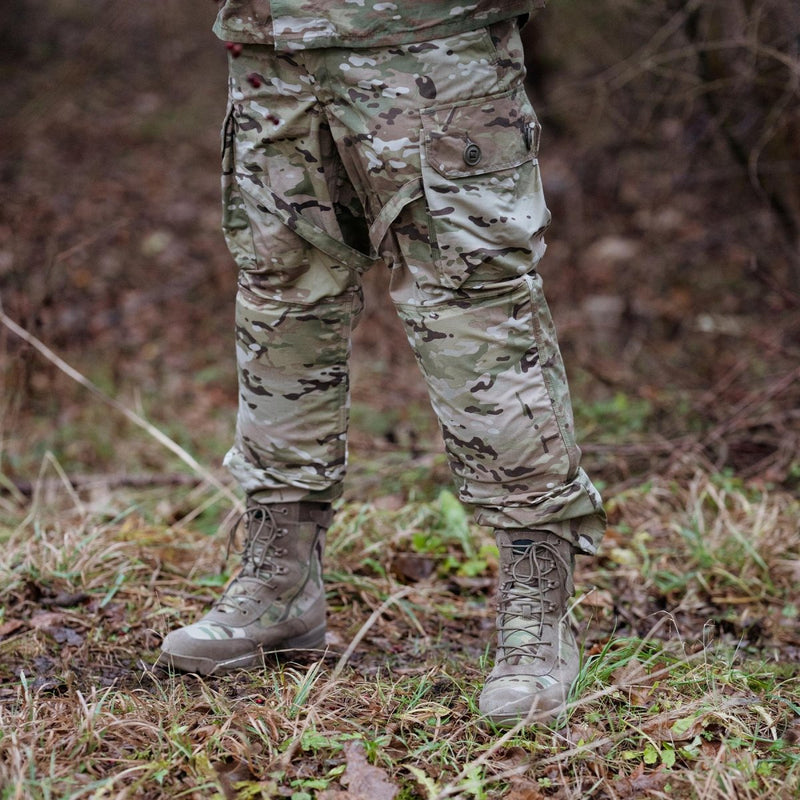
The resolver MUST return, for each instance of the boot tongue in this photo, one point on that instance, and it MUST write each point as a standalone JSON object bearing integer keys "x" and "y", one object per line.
{"x": 530, "y": 564}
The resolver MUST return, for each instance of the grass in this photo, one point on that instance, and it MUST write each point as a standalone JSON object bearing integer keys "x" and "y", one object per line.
{"x": 689, "y": 686}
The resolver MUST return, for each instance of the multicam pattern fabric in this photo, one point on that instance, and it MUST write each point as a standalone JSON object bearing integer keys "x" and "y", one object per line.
{"x": 425, "y": 157}
{"x": 304, "y": 24}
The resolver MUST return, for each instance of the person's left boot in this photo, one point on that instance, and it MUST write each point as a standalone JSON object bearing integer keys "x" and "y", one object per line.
{"x": 537, "y": 657}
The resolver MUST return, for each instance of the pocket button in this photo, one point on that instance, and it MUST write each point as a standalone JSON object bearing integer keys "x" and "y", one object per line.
{"x": 472, "y": 154}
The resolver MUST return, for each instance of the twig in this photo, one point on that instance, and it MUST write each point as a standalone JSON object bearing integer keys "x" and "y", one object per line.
{"x": 132, "y": 416}
{"x": 27, "y": 488}
{"x": 374, "y": 617}
{"x": 751, "y": 402}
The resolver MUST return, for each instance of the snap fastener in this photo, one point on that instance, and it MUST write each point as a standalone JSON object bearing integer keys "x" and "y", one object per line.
{"x": 472, "y": 154}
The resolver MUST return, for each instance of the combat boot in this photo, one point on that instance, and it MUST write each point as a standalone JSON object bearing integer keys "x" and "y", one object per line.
{"x": 537, "y": 657}
{"x": 276, "y": 602}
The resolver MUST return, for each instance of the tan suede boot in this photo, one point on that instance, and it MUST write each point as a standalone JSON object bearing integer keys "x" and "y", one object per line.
{"x": 537, "y": 657}
{"x": 276, "y": 602}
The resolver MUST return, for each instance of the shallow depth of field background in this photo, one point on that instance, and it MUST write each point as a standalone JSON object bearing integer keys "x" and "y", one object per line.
{"x": 670, "y": 156}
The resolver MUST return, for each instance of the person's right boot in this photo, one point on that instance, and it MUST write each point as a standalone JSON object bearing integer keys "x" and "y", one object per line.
{"x": 537, "y": 657}
{"x": 275, "y": 603}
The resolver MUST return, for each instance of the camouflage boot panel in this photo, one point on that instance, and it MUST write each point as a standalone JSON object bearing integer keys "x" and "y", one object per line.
{"x": 276, "y": 602}
{"x": 281, "y": 562}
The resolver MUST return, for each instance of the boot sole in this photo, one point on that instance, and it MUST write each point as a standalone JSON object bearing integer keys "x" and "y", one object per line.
{"x": 542, "y": 717}
{"x": 313, "y": 640}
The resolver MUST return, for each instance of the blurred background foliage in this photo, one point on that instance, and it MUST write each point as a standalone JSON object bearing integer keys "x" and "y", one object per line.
{"x": 671, "y": 159}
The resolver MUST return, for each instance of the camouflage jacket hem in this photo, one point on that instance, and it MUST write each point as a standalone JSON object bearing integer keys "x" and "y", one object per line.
{"x": 292, "y": 25}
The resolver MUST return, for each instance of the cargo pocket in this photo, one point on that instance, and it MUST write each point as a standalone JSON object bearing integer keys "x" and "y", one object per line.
{"x": 248, "y": 200}
{"x": 482, "y": 186}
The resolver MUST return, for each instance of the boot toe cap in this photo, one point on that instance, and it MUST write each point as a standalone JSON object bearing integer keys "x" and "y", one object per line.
{"x": 205, "y": 649}
{"x": 508, "y": 700}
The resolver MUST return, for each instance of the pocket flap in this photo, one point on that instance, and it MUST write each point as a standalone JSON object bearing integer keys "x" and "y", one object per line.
{"x": 482, "y": 136}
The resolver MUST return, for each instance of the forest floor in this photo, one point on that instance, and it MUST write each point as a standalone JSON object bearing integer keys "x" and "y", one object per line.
{"x": 683, "y": 360}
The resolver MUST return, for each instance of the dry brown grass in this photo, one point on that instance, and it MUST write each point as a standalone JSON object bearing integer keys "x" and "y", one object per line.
{"x": 689, "y": 687}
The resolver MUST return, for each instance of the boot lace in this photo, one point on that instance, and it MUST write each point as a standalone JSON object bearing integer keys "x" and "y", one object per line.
{"x": 531, "y": 600}
{"x": 259, "y": 553}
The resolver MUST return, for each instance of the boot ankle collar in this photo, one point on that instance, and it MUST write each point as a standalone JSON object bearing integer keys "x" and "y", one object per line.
{"x": 300, "y": 511}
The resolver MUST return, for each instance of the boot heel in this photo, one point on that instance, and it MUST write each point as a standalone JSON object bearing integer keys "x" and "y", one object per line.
{"x": 313, "y": 640}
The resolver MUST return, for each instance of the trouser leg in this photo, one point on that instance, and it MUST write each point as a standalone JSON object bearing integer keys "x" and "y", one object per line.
{"x": 488, "y": 350}
{"x": 293, "y": 398}
{"x": 295, "y": 311}
{"x": 498, "y": 386}
{"x": 296, "y": 303}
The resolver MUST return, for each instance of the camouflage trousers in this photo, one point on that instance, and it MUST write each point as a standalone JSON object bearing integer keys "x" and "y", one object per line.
{"x": 423, "y": 157}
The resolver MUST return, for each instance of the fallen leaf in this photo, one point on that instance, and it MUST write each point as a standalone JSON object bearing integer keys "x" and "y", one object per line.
{"x": 47, "y": 619}
{"x": 523, "y": 789}
{"x": 632, "y": 678}
{"x": 684, "y": 729}
{"x": 66, "y": 599}
{"x": 640, "y": 781}
{"x": 413, "y": 567}
{"x": 52, "y": 619}
{"x": 51, "y": 622}
{"x": 10, "y": 626}
{"x": 65, "y": 635}
{"x": 598, "y": 598}
{"x": 363, "y": 781}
